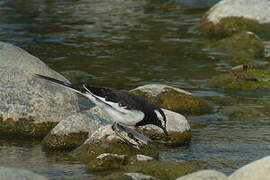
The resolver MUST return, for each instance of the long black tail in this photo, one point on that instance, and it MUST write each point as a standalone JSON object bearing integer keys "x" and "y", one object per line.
{"x": 65, "y": 84}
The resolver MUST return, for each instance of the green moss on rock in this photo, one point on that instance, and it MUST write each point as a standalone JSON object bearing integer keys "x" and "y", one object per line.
{"x": 176, "y": 101}
{"x": 63, "y": 142}
{"x": 246, "y": 80}
{"x": 168, "y": 170}
{"x": 243, "y": 43}
{"x": 108, "y": 162}
{"x": 24, "y": 128}
{"x": 89, "y": 151}
{"x": 240, "y": 113}
{"x": 231, "y": 25}
{"x": 122, "y": 176}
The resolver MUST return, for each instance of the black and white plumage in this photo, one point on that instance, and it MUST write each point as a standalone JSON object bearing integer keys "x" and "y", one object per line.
{"x": 124, "y": 108}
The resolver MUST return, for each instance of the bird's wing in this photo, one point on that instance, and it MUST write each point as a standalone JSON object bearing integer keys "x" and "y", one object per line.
{"x": 98, "y": 95}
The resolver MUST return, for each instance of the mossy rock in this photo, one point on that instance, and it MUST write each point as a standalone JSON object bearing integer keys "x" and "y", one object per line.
{"x": 106, "y": 140}
{"x": 243, "y": 43}
{"x": 168, "y": 170}
{"x": 231, "y": 25}
{"x": 107, "y": 161}
{"x": 245, "y": 80}
{"x": 89, "y": 151}
{"x": 63, "y": 142}
{"x": 24, "y": 128}
{"x": 241, "y": 113}
{"x": 128, "y": 176}
{"x": 173, "y": 99}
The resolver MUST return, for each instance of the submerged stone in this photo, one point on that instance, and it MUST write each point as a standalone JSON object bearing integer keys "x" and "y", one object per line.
{"x": 129, "y": 165}
{"x": 245, "y": 80}
{"x": 173, "y": 99}
{"x": 29, "y": 106}
{"x": 230, "y": 16}
{"x": 241, "y": 113}
{"x": 243, "y": 43}
{"x": 128, "y": 176}
{"x": 169, "y": 170}
{"x": 9, "y": 173}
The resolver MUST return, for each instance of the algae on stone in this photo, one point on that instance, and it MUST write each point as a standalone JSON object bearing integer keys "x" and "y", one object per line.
{"x": 168, "y": 170}
{"x": 231, "y": 25}
{"x": 239, "y": 112}
{"x": 245, "y": 80}
{"x": 174, "y": 100}
{"x": 106, "y": 140}
{"x": 67, "y": 142}
{"x": 243, "y": 43}
{"x": 24, "y": 128}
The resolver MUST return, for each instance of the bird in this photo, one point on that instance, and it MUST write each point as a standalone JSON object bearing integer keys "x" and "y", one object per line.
{"x": 122, "y": 107}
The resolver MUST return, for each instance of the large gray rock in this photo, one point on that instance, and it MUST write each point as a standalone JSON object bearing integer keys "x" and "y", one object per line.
{"x": 257, "y": 170}
{"x": 30, "y": 106}
{"x": 205, "y": 175}
{"x": 8, "y": 173}
{"x": 249, "y": 9}
{"x": 230, "y": 16}
{"x": 71, "y": 132}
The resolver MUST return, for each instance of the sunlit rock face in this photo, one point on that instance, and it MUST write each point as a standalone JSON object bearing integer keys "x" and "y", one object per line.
{"x": 230, "y": 16}
{"x": 172, "y": 98}
{"x": 30, "y": 106}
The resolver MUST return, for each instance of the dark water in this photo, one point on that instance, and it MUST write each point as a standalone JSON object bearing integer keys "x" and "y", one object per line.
{"x": 126, "y": 43}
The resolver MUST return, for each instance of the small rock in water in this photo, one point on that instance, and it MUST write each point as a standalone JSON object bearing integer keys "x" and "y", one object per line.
{"x": 9, "y": 173}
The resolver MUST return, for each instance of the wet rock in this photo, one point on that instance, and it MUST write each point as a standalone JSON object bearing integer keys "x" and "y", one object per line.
{"x": 230, "y": 16}
{"x": 245, "y": 80}
{"x": 177, "y": 126}
{"x": 119, "y": 141}
{"x": 257, "y": 170}
{"x": 108, "y": 161}
{"x": 168, "y": 170}
{"x": 174, "y": 99}
{"x": 205, "y": 175}
{"x": 241, "y": 113}
{"x": 128, "y": 176}
{"x": 243, "y": 43}
{"x": 143, "y": 158}
{"x": 30, "y": 107}
{"x": 18, "y": 174}
{"x": 71, "y": 132}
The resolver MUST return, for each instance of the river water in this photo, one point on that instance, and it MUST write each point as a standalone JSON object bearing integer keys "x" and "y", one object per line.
{"x": 123, "y": 44}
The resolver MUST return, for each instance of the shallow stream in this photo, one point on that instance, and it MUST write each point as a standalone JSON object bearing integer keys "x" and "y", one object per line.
{"x": 123, "y": 44}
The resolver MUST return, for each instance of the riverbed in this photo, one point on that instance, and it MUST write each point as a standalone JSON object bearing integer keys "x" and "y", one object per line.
{"x": 122, "y": 44}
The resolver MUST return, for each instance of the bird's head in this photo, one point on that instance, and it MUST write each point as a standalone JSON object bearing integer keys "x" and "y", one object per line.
{"x": 161, "y": 120}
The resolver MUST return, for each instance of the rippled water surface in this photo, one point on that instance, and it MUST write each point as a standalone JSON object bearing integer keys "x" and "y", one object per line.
{"x": 122, "y": 44}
